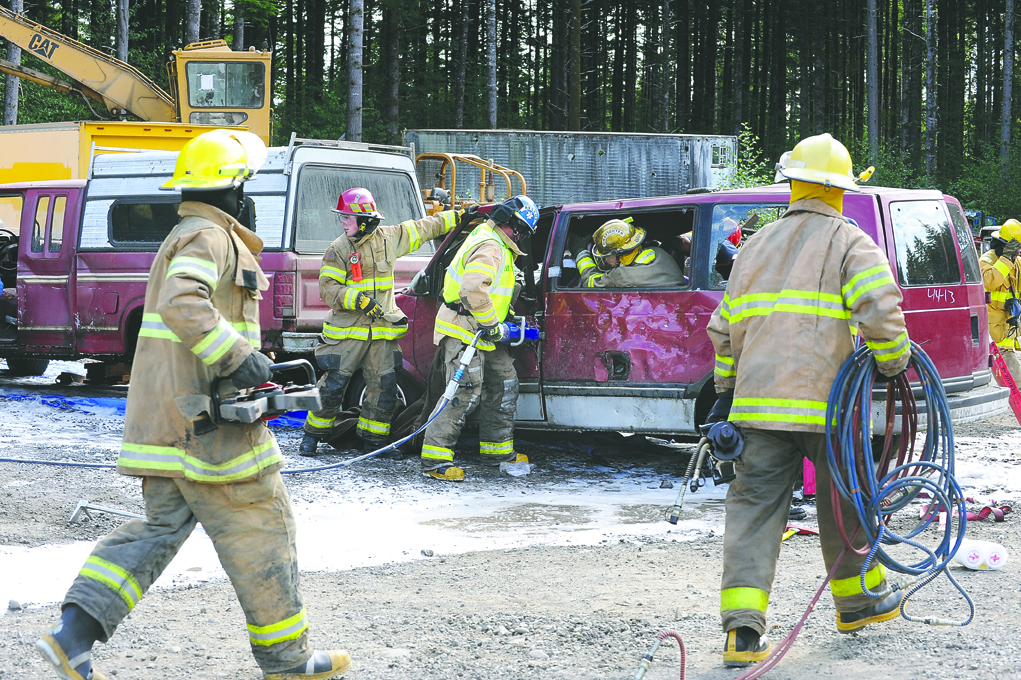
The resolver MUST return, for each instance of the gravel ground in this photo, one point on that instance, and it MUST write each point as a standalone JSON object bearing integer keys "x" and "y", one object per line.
{"x": 545, "y": 611}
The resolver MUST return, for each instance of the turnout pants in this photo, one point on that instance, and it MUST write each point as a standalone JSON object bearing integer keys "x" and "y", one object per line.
{"x": 253, "y": 531}
{"x": 758, "y": 503}
{"x": 377, "y": 359}
{"x": 490, "y": 379}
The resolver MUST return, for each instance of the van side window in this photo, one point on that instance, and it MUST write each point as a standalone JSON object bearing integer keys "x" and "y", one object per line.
{"x": 319, "y": 187}
{"x": 42, "y": 209}
{"x": 926, "y": 250}
{"x": 733, "y": 224}
{"x": 142, "y": 224}
{"x": 10, "y": 213}
{"x": 57, "y": 227}
{"x": 667, "y": 230}
{"x": 966, "y": 244}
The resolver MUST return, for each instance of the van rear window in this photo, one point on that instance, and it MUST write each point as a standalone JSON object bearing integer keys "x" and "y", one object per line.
{"x": 142, "y": 224}
{"x": 926, "y": 250}
{"x": 320, "y": 186}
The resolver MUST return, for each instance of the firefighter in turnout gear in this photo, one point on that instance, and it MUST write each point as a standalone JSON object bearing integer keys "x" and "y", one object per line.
{"x": 1001, "y": 275}
{"x": 477, "y": 294}
{"x": 618, "y": 260}
{"x": 200, "y": 322}
{"x": 801, "y": 286}
{"x": 364, "y": 322}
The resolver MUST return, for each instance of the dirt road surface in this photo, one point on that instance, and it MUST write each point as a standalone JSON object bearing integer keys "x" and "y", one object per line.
{"x": 569, "y": 572}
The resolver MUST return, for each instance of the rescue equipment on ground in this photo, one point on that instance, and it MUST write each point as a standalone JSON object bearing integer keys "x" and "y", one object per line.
{"x": 858, "y": 477}
{"x": 83, "y": 508}
{"x": 981, "y": 555}
{"x": 1004, "y": 378}
{"x": 269, "y": 400}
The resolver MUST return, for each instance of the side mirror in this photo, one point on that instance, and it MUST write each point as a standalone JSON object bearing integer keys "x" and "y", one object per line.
{"x": 419, "y": 285}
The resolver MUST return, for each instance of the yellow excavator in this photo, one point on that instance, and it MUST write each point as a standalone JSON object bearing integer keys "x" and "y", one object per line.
{"x": 211, "y": 85}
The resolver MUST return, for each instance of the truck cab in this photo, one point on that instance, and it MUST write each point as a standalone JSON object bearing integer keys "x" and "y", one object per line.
{"x": 75, "y": 254}
{"x": 640, "y": 360}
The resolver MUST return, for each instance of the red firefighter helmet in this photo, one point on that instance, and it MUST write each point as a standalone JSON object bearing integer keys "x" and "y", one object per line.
{"x": 358, "y": 202}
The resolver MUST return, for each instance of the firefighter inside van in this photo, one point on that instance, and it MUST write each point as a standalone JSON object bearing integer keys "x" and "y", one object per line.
{"x": 619, "y": 260}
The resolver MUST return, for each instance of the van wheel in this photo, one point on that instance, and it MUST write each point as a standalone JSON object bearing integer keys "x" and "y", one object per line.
{"x": 408, "y": 391}
{"x": 24, "y": 368}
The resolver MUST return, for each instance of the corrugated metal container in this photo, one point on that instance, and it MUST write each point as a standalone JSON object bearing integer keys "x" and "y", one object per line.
{"x": 575, "y": 167}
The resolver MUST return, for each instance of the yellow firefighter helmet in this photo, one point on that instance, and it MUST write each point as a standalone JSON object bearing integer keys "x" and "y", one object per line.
{"x": 217, "y": 159}
{"x": 820, "y": 160}
{"x": 616, "y": 237}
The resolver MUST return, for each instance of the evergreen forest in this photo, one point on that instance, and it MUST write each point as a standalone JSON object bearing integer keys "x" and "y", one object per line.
{"x": 922, "y": 89}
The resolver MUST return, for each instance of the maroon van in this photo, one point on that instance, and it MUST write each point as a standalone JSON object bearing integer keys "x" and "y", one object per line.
{"x": 639, "y": 360}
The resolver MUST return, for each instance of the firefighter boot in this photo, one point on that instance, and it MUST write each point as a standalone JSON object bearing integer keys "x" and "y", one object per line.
{"x": 884, "y": 610}
{"x": 67, "y": 646}
{"x": 320, "y": 666}
{"x": 744, "y": 647}
{"x": 308, "y": 446}
{"x": 447, "y": 474}
{"x": 374, "y": 442}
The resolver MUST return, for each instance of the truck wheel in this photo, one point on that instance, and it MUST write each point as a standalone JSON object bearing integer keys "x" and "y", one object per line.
{"x": 26, "y": 367}
{"x": 408, "y": 390}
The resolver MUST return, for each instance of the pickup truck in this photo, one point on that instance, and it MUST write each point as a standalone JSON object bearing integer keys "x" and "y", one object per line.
{"x": 75, "y": 254}
{"x": 639, "y": 360}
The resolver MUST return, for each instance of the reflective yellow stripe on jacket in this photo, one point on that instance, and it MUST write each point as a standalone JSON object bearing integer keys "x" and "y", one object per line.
{"x": 462, "y": 334}
{"x": 725, "y": 366}
{"x": 153, "y": 327}
{"x": 791, "y": 301}
{"x": 203, "y": 270}
{"x": 173, "y": 459}
{"x": 778, "y": 410}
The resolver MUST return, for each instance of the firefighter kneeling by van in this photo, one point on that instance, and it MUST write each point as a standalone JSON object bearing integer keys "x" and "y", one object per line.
{"x": 361, "y": 329}
{"x": 618, "y": 260}
{"x": 781, "y": 334}
{"x": 1001, "y": 271}
{"x": 477, "y": 293}
{"x": 201, "y": 322}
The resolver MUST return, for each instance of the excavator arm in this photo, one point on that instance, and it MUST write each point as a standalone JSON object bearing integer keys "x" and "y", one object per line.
{"x": 121, "y": 88}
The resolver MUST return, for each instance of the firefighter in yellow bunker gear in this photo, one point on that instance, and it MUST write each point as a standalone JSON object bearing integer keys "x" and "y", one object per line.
{"x": 781, "y": 333}
{"x": 1001, "y": 276}
{"x": 200, "y": 322}
{"x": 618, "y": 260}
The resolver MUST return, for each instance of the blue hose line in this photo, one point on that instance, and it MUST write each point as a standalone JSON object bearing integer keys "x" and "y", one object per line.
{"x": 854, "y": 474}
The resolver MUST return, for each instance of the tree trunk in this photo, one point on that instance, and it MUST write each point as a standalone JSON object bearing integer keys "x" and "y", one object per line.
{"x": 460, "y": 62}
{"x": 238, "y": 41}
{"x": 873, "y": 80}
{"x": 392, "y": 21}
{"x": 930, "y": 88}
{"x": 664, "y": 75}
{"x": 354, "y": 72}
{"x": 1008, "y": 82}
{"x": 12, "y": 83}
{"x": 574, "y": 87}
{"x": 122, "y": 30}
{"x": 191, "y": 21}
{"x": 491, "y": 64}
{"x": 738, "y": 95}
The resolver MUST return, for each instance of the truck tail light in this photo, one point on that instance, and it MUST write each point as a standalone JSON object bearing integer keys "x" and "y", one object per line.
{"x": 283, "y": 295}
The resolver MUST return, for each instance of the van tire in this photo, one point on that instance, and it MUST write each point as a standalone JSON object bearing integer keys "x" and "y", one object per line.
{"x": 27, "y": 368}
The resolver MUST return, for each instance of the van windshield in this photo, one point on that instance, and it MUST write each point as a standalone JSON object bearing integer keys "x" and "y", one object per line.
{"x": 320, "y": 186}
{"x": 926, "y": 250}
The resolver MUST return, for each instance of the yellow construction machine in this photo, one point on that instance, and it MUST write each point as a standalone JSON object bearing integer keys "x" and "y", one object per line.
{"x": 210, "y": 86}
{"x": 439, "y": 197}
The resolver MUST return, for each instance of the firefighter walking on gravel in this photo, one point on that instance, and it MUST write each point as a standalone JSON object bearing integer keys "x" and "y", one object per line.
{"x": 477, "y": 294}
{"x": 781, "y": 334}
{"x": 200, "y": 323}
{"x": 1001, "y": 275}
{"x": 361, "y": 330}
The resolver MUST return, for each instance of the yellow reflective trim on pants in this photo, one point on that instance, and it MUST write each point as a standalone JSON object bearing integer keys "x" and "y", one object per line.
{"x": 115, "y": 577}
{"x": 338, "y": 333}
{"x": 1009, "y": 344}
{"x": 496, "y": 448}
{"x": 288, "y": 629}
{"x": 465, "y": 336}
{"x": 373, "y": 426}
{"x": 846, "y": 587}
{"x": 319, "y": 423}
{"x": 437, "y": 453}
{"x": 743, "y": 598}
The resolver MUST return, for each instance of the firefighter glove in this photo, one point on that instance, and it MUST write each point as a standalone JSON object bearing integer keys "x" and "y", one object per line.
{"x": 497, "y": 333}
{"x": 253, "y": 371}
{"x": 369, "y": 307}
{"x": 882, "y": 378}
{"x": 721, "y": 409}
{"x": 1011, "y": 249}
{"x": 468, "y": 215}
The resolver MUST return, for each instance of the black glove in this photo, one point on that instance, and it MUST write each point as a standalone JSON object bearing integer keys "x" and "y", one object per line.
{"x": 1011, "y": 249}
{"x": 721, "y": 409}
{"x": 468, "y": 215}
{"x": 497, "y": 333}
{"x": 253, "y": 371}
{"x": 369, "y": 307}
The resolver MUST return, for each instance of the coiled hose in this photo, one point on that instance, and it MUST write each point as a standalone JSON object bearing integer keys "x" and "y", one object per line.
{"x": 448, "y": 394}
{"x": 876, "y": 494}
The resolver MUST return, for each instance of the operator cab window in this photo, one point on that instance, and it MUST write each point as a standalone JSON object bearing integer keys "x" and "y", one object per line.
{"x": 217, "y": 85}
{"x": 669, "y": 230}
{"x": 733, "y": 224}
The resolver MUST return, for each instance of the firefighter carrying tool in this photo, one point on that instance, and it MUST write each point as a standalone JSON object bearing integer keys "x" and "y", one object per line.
{"x": 477, "y": 294}
{"x": 364, "y": 322}
{"x": 201, "y": 322}
{"x": 1001, "y": 276}
{"x": 781, "y": 333}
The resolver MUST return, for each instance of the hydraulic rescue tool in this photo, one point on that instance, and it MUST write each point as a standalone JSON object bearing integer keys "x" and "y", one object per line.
{"x": 269, "y": 400}
{"x": 721, "y": 444}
